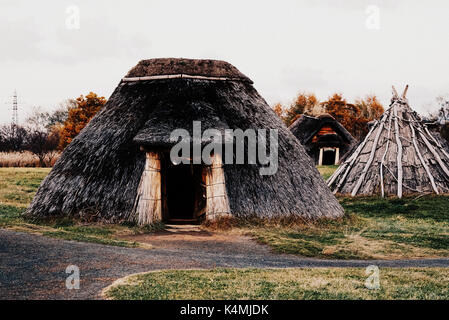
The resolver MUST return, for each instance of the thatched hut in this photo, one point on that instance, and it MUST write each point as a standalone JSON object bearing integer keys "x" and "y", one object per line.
{"x": 118, "y": 168}
{"x": 324, "y": 138}
{"x": 398, "y": 156}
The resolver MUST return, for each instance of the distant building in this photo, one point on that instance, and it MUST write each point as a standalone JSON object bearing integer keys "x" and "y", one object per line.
{"x": 324, "y": 138}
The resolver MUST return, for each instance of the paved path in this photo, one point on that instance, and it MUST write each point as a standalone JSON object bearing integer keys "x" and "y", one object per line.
{"x": 33, "y": 267}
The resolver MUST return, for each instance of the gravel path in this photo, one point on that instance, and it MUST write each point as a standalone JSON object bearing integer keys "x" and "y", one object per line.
{"x": 33, "y": 267}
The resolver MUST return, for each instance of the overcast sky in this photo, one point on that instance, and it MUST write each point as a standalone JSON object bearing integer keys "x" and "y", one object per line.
{"x": 355, "y": 47}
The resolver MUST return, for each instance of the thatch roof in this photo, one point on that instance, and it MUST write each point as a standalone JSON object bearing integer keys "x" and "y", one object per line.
{"x": 99, "y": 172}
{"x": 398, "y": 156}
{"x": 188, "y": 67}
{"x": 307, "y": 127}
{"x": 179, "y": 111}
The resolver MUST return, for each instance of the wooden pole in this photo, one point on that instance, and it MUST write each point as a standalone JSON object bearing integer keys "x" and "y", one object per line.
{"x": 148, "y": 205}
{"x": 370, "y": 159}
{"x": 337, "y": 155}
{"x": 348, "y": 164}
{"x": 435, "y": 154}
{"x": 399, "y": 157}
{"x": 217, "y": 202}
{"x": 395, "y": 93}
{"x": 320, "y": 159}
{"x": 405, "y": 92}
{"x": 384, "y": 156}
{"x": 436, "y": 142}
{"x": 429, "y": 174}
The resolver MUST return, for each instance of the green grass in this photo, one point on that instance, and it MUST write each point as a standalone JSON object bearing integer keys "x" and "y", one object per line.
{"x": 290, "y": 284}
{"x": 373, "y": 228}
{"x": 18, "y": 186}
{"x": 326, "y": 171}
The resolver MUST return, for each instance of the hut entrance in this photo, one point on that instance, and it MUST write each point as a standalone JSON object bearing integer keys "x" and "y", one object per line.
{"x": 328, "y": 156}
{"x": 185, "y": 192}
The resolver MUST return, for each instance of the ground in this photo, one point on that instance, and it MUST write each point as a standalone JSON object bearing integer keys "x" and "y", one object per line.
{"x": 326, "y": 171}
{"x": 17, "y": 188}
{"x": 373, "y": 228}
{"x": 33, "y": 266}
{"x": 283, "y": 284}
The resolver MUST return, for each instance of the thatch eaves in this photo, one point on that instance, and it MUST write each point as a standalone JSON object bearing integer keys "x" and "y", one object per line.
{"x": 306, "y": 127}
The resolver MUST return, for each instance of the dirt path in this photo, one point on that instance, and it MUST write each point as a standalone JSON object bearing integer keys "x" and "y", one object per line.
{"x": 33, "y": 267}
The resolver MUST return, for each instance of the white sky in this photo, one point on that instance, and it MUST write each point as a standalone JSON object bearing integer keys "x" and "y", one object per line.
{"x": 283, "y": 46}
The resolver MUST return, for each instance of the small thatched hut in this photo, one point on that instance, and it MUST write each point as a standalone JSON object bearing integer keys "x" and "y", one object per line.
{"x": 324, "y": 138}
{"x": 118, "y": 168}
{"x": 398, "y": 156}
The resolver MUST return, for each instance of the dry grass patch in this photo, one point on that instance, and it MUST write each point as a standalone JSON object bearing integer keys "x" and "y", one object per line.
{"x": 26, "y": 159}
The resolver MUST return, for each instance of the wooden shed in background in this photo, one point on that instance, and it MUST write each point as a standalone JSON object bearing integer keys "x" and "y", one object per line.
{"x": 324, "y": 138}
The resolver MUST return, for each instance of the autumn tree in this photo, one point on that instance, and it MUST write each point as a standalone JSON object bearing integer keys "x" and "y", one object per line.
{"x": 303, "y": 104}
{"x": 279, "y": 110}
{"x": 370, "y": 107}
{"x": 354, "y": 117}
{"x": 79, "y": 116}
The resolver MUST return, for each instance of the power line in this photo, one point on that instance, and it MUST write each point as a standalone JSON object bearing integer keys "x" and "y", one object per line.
{"x": 15, "y": 114}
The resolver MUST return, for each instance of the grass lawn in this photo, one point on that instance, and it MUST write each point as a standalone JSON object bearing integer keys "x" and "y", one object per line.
{"x": 17, "y": 188}
{"x": 326, "y": 171}
{"x": 373, "y": 228}
{"x": 272, "y": 284}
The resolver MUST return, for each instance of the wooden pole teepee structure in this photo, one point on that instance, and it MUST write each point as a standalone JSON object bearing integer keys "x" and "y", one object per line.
{"x": 398, "y": 156}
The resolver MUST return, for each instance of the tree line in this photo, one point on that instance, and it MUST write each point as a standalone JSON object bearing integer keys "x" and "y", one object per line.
{"x": 353, "y": 116}
{"x": 46, "y": 133}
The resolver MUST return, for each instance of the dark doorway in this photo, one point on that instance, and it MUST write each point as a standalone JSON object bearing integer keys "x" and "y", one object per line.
{"x": 328, "y": 157}
{"x": 184, "y": 192}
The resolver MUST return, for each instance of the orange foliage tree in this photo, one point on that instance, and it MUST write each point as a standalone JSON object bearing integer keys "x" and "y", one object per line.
{"x": 354, "y": 117}
{"x": 304, "y": 103}
{"x": 279, "y": 110}
{"x": 79, "y": 116}
{"x": 370, "y": 107}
